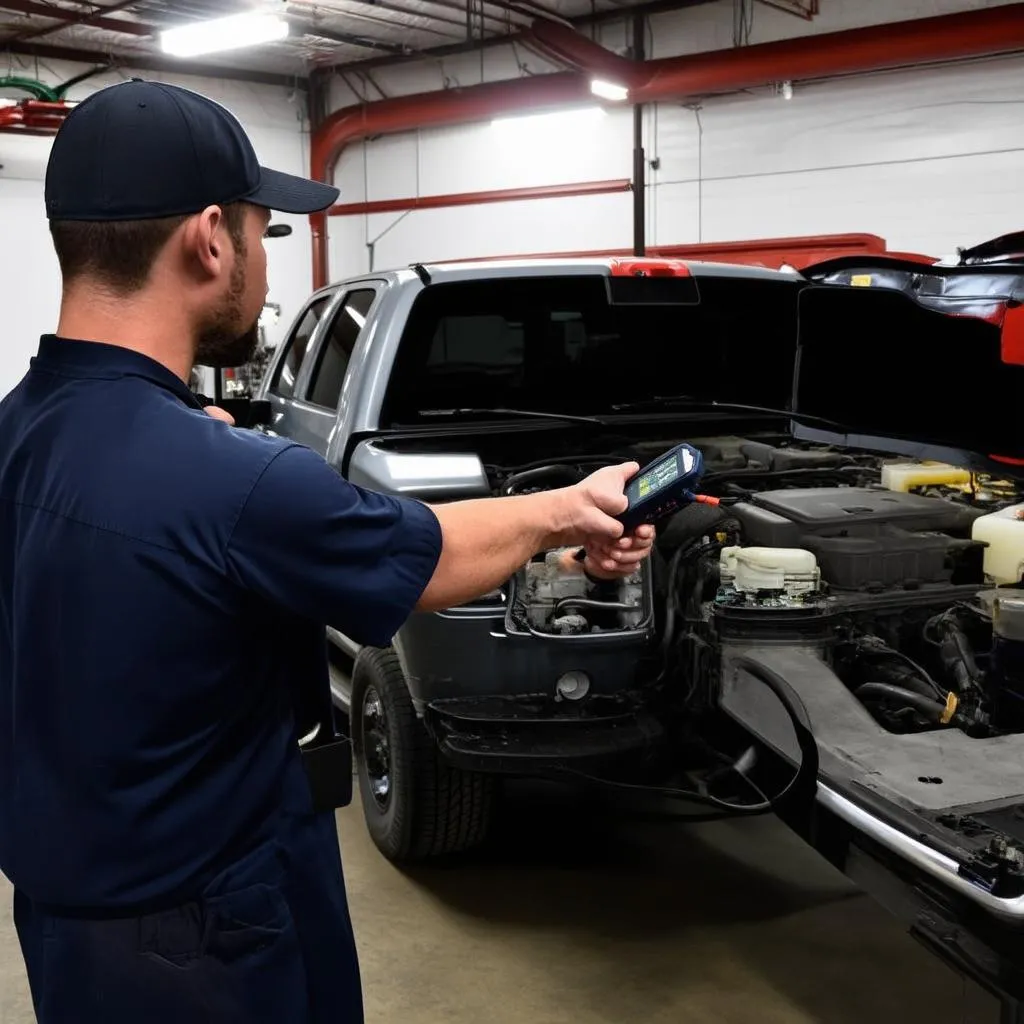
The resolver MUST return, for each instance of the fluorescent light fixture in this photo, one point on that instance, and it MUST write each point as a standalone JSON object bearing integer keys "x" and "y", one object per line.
{"x": 550, "y": 119}
{"x": 609, "y": 90}
{"x": 232, "y": 33}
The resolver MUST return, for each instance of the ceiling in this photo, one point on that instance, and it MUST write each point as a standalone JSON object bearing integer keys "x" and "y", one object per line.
{"x": 342, "y": 33}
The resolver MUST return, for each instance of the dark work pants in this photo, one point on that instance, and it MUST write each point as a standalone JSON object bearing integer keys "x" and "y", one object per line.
{"x": 269, "y": 941}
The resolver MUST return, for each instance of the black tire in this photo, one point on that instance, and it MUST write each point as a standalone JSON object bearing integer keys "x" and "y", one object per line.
{"x": 429, "y": 808}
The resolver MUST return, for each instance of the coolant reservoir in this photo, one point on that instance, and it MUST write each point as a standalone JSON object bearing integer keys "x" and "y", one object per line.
{"x": 750, "y": 570}
{"x": 902, "y": 476}
{"x": 1003, "y": 532}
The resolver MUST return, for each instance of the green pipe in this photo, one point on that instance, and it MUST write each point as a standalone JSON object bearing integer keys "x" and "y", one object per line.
{"x": 30, "y": 85}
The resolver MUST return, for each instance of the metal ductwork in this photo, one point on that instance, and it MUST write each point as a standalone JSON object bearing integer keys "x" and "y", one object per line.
{"x": 978, "y": 33}
{"x": 563, "y": 45}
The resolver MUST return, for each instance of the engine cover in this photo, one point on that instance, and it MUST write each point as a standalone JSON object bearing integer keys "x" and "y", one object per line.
{"x": 865, "y": 538}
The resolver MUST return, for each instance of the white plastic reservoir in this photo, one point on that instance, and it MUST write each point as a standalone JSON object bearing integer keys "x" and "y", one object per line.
{"x": 902, "y": 476}
{"x": 1003, "y": 531}
{"x": 792, "y": 570}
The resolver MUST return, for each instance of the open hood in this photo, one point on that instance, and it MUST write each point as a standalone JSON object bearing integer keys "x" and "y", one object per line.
{"x": 925, "y": 360}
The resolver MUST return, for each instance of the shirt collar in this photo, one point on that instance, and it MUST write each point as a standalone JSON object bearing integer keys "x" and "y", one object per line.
{"x": 98, "y": 360}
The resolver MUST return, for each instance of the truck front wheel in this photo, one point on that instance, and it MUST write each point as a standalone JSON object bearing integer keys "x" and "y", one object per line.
{"x": 416, "y": 805}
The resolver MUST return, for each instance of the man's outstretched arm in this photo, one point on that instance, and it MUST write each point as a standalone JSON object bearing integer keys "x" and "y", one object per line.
{"x": 486, "y": 540}
{"x": 329, "y": 551}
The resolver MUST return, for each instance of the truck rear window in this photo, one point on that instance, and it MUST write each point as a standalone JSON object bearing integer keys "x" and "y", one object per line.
{"x": 556, "y": 344}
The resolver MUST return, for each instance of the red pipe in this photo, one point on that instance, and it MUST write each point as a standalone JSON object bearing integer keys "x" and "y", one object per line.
{"x": 566, "y": 46}
{"x": 500, "y": 195}
{"x": 998, "y": 29}
{"x": 900, "y": 44}
{"x": 40, "y": 116}
{"x": 424, "y": 110}
{"x": 797, "y": 252}
{"x": 947, "y": 37}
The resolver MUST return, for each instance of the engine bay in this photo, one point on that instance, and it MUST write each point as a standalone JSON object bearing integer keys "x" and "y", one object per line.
{"x": 905, "y": 580}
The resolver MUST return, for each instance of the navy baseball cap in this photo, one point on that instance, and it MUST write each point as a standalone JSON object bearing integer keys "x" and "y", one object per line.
{"x": 144, "y": 150}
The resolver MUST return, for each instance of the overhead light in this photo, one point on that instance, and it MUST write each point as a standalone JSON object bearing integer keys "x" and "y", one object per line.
{"x": 787, "y": 90}
{"x": 549, "y": 119}
{"x": 232, "y": 33}
{"x": 609, "y": 90}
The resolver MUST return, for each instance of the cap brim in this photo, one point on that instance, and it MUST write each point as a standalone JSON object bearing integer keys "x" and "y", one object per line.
{"x": 288, "y": 193}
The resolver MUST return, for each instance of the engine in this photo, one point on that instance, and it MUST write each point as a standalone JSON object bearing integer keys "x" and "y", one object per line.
{"x": 552, "y": 596}
{"x": 848, "y": 543}
{"x": 891, "y": 587}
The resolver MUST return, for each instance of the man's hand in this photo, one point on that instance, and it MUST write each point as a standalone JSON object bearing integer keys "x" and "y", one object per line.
{"x": 610, "y": 561}
{"x": 589, "y": 506}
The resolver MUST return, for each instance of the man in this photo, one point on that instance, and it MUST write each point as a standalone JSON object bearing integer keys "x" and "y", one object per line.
{"x": 165, "y": 579}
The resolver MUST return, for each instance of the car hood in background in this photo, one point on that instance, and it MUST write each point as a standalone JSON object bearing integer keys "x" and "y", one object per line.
{"x": 922, "y": 359}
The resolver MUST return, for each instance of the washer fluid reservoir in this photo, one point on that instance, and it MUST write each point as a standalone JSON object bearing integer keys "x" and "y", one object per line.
{"x": 1003, "y": 532}
{"x": 902, "y": 476}
{"x": 791, "y": 571}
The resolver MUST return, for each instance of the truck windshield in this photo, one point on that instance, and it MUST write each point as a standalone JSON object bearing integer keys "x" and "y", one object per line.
{"x": 555, "y": 344}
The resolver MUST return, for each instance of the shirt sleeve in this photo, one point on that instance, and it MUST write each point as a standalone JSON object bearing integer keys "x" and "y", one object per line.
{"x": 330, "y": 551}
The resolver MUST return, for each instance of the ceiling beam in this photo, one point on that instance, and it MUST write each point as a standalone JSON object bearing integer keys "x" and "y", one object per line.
{"x": 85, "y": 18}
{"x": 150, "y": 62}
{"x": 472, "y": 45}
{"x": 349, "y": 39}
{"x": 97, "y": 19}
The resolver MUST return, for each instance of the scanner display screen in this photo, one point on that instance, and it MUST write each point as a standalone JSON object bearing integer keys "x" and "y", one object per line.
{"x": 655, "y": 479}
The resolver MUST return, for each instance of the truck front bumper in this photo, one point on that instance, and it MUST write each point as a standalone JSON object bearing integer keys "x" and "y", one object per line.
{"x": 534, "y": 735}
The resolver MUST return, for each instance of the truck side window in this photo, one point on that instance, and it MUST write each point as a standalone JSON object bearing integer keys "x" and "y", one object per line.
{"x": 295, "y": 349}
{"x": 332, "y": 360}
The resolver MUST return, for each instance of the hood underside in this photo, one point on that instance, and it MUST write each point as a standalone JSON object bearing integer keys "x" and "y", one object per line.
{"x": 922, "y": 360}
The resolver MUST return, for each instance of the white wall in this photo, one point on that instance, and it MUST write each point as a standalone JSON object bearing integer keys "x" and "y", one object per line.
{"x": 928, "y": 158}
{"x": 29, "y": 276}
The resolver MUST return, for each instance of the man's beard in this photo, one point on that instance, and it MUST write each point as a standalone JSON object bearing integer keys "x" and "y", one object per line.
{"x": 220, "y": 344}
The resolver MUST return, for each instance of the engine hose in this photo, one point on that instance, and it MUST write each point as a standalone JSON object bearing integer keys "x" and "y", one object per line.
{"x": 901, "y": 675}
{"x": 564, "y": 473}
{"x": 956, "y": 654}
{"x": 802, "y": 786}
{"x": 588, "y": 602}
{"x": 926, "y": 705}
{"x": 802, "y": 789}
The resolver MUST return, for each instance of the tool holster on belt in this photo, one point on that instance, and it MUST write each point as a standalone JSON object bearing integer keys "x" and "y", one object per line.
{"x": 327, "y": 759}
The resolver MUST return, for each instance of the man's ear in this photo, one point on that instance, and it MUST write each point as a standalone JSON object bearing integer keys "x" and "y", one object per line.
{"x": 206, "y": 243}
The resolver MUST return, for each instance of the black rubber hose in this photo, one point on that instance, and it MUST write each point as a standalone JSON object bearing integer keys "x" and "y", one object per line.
{"x": 926, "y": 705}
{"x": 566, "y": 474}
{"x": 903, "y": 676}
{"x": 803, "y": 787}
{"x": 587, "y": 602}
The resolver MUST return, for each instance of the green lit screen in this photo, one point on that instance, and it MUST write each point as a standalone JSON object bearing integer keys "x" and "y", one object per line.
{"x": 662, "y": 474}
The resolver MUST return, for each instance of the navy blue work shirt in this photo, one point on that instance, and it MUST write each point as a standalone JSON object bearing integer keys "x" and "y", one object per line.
{"x": 164, "y": 584}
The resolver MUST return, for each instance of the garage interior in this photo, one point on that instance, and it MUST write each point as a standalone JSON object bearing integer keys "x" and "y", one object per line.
{"x": 774, "y": 133}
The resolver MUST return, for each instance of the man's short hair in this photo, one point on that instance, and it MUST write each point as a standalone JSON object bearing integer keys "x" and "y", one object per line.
{"x": 120, "y": 254}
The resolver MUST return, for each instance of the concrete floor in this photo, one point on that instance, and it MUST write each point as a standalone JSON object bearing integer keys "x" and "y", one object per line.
{"x": 577, "y": 917}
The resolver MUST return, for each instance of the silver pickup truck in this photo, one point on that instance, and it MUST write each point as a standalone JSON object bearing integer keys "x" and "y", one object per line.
{"x": 839, "y": 641}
